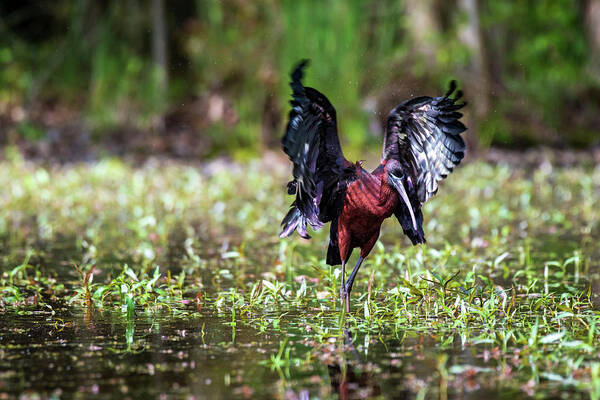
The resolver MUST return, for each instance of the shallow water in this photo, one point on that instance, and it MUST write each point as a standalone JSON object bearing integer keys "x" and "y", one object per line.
{"x": 498, "y": 236}
{"x": 66, "y": 355}
{"x": 200, "y": 354}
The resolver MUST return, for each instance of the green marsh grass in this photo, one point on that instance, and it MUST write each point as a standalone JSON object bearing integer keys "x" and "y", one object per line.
{"x": 502, "y": 298}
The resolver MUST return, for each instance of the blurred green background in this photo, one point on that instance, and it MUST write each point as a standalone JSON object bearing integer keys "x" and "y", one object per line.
{"x": 196, "y": 79}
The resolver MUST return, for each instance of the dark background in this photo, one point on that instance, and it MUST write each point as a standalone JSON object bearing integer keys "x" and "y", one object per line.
{"x": 80, "y": 79}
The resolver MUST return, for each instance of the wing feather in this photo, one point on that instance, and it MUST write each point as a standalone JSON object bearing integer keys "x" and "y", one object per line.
{"x": 425, "y": 132}
{"x": 321, "y": 172}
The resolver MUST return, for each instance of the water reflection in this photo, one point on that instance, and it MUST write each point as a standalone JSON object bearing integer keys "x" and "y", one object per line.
{"x": 350, "y": 379}
{"x": 198, "y": 359}
{"x": 204, "y": 355}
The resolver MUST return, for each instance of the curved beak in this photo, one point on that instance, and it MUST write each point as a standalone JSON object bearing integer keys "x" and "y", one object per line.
{"x": 399, "y": 186}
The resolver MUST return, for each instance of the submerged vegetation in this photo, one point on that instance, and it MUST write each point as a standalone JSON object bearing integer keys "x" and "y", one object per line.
{"x": 176, "y": 265}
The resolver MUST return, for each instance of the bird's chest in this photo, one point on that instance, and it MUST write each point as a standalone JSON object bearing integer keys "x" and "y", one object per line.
{"x": 369, "y": 199}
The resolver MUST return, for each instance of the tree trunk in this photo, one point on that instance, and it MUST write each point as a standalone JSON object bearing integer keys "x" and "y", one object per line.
{"x": 470, "y": 35}
{"x": 477, "y": 80}
{"x": 592, "y": 19}
{"x": 159, "y": 42}
{"x": 423, "y": 27}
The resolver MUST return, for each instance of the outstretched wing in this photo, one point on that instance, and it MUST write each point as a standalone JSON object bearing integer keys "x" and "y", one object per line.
{"x": 425, "y": 132}
{"x": 321, "y": 173}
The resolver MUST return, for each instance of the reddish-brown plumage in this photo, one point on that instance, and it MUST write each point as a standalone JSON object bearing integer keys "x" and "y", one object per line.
{"x": 368, "y": 202}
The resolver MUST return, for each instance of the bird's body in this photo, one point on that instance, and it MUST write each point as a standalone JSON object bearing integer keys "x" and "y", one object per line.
{"x": 368, "y": 202}
{"x": 422, "y": 145}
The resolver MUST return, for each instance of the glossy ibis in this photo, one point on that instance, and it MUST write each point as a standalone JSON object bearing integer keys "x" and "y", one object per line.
{"x": 422, "y": 145}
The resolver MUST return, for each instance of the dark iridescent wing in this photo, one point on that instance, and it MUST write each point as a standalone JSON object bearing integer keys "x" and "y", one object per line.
{"x": 427, "y": 130}
{"x": 321, "y": 172}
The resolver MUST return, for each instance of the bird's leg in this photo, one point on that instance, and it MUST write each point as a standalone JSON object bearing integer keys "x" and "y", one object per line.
{"x": 350, "y": 281}
{"x": 347, "y": 301}
{"x": 343, "y": 294}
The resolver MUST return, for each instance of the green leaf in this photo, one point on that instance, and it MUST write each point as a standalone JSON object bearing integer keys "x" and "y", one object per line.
{"x": 131, "y": 274}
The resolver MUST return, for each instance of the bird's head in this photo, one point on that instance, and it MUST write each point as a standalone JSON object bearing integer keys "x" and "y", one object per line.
{"x": 394, "y": 173}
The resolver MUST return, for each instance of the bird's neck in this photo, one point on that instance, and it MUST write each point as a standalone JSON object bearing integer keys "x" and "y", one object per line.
{"x": 388, "y": 198}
